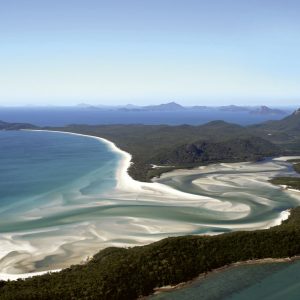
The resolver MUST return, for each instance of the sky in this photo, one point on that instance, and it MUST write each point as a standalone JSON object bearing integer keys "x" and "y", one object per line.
{"x": 194, "y": 52}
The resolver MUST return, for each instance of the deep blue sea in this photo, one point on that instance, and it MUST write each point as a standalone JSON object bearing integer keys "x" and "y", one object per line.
{"x": 64, "y": 116}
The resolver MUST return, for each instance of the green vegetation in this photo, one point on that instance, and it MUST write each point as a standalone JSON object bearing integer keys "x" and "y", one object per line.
{"x": 15, "y": 126}
{"x": 290, "y": 182}
{"x": 118, "y": 273}
{"x": 284, "y": 133}
{"x": 180, "y": 146}
{"x": 188, "y": 146}
{"x": 238, "y": 149}
{"x": 296, "y": 164}
{"x": 297, "y": 167}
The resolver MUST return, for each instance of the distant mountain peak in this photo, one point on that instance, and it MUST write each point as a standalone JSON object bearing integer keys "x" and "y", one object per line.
{"x": 86, "y": 106}
{"x": 234, "y": 108}
{"x": 265, "y": 110}
{"x": 172, "y": 103}
{"x": 170, "y": 106}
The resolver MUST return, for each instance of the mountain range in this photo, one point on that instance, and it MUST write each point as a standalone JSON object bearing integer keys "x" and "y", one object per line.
{"x": 173, "y": 107}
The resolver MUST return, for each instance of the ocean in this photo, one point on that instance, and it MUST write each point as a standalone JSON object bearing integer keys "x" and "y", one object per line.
{"x": 40, "y": 169}
{"x": 60, "y": 200}
{"x": 65, "y": 116}
{"x": 270, "y": 281}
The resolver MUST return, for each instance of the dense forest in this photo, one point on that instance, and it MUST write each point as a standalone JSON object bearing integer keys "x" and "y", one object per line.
{"x": 186, "y": 146}
{"x": 180, "y": 146}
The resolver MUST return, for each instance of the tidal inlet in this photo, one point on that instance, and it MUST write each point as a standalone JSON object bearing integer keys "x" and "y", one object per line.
{"x": 64, "y": 197}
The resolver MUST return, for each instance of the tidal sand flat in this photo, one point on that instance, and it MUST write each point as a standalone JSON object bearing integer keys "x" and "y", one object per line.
{"x": 64, "y": 197}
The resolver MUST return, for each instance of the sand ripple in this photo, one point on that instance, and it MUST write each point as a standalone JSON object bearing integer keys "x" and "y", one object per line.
{"x": 207, "y": 200}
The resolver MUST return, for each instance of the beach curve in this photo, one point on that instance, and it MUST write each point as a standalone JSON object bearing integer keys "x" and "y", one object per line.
{"x": 175, "y": 197}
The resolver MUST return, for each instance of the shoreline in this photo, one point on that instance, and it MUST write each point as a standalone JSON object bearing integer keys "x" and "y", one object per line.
{"x": 124, "y": 164}
{"x": 203, "y": 276}
{"x": 5, "y": 277}
{"x": 124, "y": 181}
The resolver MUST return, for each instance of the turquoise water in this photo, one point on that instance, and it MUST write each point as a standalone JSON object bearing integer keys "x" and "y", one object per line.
{"x": 37, "y": 167}
{"x": 60, "y": 202}
{"x": 274, "y": 281}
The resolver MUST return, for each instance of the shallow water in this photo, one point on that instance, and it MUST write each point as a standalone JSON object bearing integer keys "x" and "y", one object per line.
{"x": 273, "y": 281}
{"x": 60, "y": 201}
{"x": 38, "y": 167}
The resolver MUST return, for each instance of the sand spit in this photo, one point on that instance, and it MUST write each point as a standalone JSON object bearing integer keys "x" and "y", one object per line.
{"x": 25, "y": 275}
{"x": 206, "y": 200}
{"x": 286, "y": 158}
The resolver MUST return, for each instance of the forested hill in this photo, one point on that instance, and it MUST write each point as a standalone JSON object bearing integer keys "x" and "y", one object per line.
{"x": 247, "y": 148}
{"x": 189, "y": 146}
{"x": 290, "y": 124}
{"x": 16, "y": 126}
{"x": 180, "y": 146}
{"x": 285, "y": 132}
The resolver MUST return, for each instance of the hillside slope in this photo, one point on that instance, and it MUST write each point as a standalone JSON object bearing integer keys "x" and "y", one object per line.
{"x": 184, "y": 146}
{"x": 239, "y": 149}
{"x": 188, "y": 146}
{"x": 285, "y": 132}
{"x": 16, "y": 126}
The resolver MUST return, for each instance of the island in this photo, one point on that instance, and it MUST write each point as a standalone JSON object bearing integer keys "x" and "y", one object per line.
{"x": 129, "y": 273}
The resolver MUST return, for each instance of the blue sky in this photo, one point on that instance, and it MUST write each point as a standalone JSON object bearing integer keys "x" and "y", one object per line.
{"x": 211, "y": 52}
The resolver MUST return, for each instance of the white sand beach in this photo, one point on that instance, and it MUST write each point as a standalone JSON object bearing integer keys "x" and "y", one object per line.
{"x": 206, "y": 200}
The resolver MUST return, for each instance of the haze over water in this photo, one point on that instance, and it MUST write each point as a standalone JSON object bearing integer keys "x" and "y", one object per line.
{"x": 66, "y": 116}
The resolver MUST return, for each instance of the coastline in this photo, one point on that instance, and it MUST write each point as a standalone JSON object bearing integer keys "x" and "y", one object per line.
{"x": 294, "y": 190}
{"x": 202, "y": 276}
{"x": 125, "y": 182}
{"x": 122, "y": 173}
{"x": 5, "y": 277}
